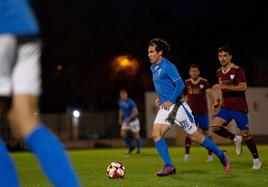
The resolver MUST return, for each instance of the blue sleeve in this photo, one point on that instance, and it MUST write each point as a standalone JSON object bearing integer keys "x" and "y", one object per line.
{"x": 133, "y": 104}
{"x": 179, "y": 87}
{"x": 173, "y": 73}
{"x": 179, "y": 84}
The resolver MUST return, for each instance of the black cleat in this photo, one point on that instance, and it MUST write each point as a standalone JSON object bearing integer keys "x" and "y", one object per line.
{"x": 131, "y": 150}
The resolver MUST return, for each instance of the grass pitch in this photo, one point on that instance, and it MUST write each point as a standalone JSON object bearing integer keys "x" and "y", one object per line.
{"x": 140, "y": 169}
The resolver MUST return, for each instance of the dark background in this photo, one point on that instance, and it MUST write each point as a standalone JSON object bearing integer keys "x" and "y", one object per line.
{"x": 84, "y": 36}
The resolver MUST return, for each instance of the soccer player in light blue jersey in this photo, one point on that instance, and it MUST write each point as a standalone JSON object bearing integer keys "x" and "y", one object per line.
{"x": 129, "y": 121}
{"x": 20, "y": 80}
{"x": 172, "y": 109}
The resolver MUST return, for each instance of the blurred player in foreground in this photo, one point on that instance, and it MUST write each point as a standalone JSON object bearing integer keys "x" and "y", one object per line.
{"x": 173, "y": 110}
{"x": 20, "y": 79}
{"x": 128, "y": 119}
{"x": 231, "y": 97}
{"x": 195, "y": 93}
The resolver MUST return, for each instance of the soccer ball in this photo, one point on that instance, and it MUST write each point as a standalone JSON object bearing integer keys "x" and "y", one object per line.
{"x": 116, "y": 170}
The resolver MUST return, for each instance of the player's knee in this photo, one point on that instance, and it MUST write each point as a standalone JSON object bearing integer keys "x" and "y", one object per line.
{"x": 215, "y": 128}
{"x": 246, "y": 137}
{"x": 197, "y": 137}
{"x": 156, "y": 136}
{"x": 244, "y": 133}
{"x": 136, "y": 135}
{"x": 123, "y": 134}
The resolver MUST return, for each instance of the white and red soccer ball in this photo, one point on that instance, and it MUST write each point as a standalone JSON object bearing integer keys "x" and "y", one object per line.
{"x": 116, "y": 170}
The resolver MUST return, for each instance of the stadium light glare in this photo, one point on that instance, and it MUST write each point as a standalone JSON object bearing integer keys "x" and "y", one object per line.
{"x": 76, "y": 114}
{"x": 125, "y": 63}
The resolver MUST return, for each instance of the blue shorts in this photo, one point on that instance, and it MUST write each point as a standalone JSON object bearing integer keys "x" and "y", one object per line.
{"x": 201, "y": 121}
{"x": 241, "y": 118}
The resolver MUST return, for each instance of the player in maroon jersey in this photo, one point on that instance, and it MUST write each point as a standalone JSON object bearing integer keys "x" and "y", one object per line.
{"x": 231, "y": 88}
{"x": 196, "y": 91}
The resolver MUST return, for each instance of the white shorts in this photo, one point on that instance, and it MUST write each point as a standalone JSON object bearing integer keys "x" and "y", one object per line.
{"x": 184, "y": 118}
{"x": 133, "y": 126}
{"x": 19, "y": 67}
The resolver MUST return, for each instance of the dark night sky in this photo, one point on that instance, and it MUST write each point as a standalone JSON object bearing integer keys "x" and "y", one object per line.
{"x": 84, "y": 36}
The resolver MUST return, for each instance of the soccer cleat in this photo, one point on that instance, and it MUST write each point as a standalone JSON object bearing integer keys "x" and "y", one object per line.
{"x": 168, "y": 170}
{"x": 131, "y": 150}
{"x": 256, "y": 164}
{"x": 186, "y": 157}
{"x": 238, "y": 143}
{"x": 210, "y": 158}
{"x": 138, "y": 151}
{"x": 226, "y": 163}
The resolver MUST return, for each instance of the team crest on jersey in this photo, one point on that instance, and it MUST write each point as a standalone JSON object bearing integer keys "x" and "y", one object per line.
{"x": 158, "y": 72}
{"x": 201, "y": 86}
{"x": 232, "y": 77}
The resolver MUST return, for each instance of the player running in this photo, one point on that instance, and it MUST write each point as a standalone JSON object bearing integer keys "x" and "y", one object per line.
{"x": 195, "y": 93}
{"x": 20, "y": 79}
{"x": 173, "y": 110}
{"x": 231, "y": 88}
{"x": 128, "y": 119}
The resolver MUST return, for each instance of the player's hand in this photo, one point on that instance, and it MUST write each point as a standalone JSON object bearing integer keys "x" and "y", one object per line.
{"x": 167, "y": 105}
{"x": 219, "y": 87}
{"x": 217, "y": 103}
{"x": 157, "y": 102}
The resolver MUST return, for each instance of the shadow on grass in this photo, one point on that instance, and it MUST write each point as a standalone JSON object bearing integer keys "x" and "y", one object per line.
{"x": 192, "y": 171}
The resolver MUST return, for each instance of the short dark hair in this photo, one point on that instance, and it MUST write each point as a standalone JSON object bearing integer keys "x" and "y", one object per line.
{"x": 225, "y": 49}
{"x": 161, "y": 45}
{"x": 123, "y": 90}
{"x": 194, "y": 66}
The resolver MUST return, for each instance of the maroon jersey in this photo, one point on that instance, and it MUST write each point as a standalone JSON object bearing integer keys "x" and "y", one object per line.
{"x": 196, "y": 95}
{"x": 233, "y": 100}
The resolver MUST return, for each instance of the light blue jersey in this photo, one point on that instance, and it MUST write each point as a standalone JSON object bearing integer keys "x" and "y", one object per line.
{"x": 167, "y": 81}
{"x": 16, "y": 17}
{"x": 127, "y": 107}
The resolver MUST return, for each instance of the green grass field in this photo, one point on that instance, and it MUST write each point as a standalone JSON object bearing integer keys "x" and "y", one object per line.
{"x": 140, "y": 169}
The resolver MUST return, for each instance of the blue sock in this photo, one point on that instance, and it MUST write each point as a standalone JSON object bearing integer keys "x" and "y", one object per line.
{"x": 138, "y": 144}
{"x": 162, "y": 149}
{"x": 52, "y": 157}
{"x": 211, "y": 146}
{"x": 128, "y": 142}
{"x": 8, "y": 175}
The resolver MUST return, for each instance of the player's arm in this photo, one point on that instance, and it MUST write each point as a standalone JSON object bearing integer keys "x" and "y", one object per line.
{"x": 185, "y": 93}
{"x": 178, "y": 84}
{"x": 210, "y": 95}
{"x": 157, "y": 102}
{"x": 179, "y": 87}
{"x": 185, "y": 97}
{"x": 241, "y": 87}
{"x": 218, "y": 99}
{"x": 120, "y": 117}
{"x": 133, "y": 115}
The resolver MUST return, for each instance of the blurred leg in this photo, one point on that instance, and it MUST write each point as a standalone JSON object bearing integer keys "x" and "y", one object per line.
{"x": 138, "y": 141}
{"x": 44, "y": 145}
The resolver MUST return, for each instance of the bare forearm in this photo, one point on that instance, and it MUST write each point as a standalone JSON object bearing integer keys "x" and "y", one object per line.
{"x": 238, "y": 88}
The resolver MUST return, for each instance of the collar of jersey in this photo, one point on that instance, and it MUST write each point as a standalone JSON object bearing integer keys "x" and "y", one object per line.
{"x": 157, "y": 66}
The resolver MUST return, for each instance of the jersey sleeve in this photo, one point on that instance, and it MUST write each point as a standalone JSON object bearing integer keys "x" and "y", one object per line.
{"x": 207, "y": 85}
{"x": 173, "y": 73}
{"x": 133, "y": 104}
{"x": 241, "y": 76}
{"x": 185, "y": 90}
{"x": 217, "y": 76}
